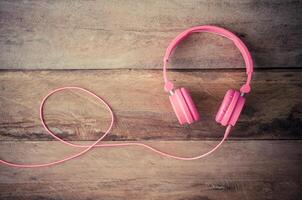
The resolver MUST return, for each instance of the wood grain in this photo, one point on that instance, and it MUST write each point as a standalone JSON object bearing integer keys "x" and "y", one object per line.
{"x": 245, "y": 170}
{"x": 134, "y": 34}
{"x": 142, "y": 108}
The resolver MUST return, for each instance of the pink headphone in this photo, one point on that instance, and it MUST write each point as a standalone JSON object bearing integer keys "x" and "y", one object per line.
{"x": 233, "y": 100}
{"x": 181, "y": 101}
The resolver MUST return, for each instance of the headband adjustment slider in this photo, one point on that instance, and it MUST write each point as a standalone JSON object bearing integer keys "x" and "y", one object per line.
{"x": 246, "y": 88}
{"x": 168, "y": 86}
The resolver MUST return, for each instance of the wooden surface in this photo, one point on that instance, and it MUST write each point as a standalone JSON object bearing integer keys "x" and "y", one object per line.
{"x": 240, "y": 170}
{"x": 115, "y": 49}
{"x": 134, "y": 34}
{"x": 142, "y": 108}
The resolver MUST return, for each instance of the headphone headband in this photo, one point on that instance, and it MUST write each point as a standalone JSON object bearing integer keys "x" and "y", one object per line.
{"x": 219, "y": 31}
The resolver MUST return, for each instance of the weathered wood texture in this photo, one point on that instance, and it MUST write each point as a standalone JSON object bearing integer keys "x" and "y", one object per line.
{"x": 240, "y": 170}
{"x": 134, "y": 34}
{"x": 142, "y": 108}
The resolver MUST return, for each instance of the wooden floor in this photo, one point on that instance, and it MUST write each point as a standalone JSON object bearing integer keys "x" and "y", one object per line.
{"x": 239, "y": 170}
{"x": 115, "y": 49}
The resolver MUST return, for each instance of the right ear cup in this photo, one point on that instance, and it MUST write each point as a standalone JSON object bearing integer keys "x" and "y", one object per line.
{"x": 184, "y": 106}
{"x": 230, "y": 108}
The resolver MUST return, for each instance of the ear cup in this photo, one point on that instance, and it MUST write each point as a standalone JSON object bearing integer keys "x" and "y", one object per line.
{"x": 224, "y": 105}
{"x": 237, "y": 111}
{"x": 193, "y": 110}
{"x": 184, "y": 107}
{"x": 230, "y": 108}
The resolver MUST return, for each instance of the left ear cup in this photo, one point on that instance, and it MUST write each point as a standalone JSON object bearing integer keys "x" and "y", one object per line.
{"x": 230, "y": 108}
{"x": 184, "y": 106}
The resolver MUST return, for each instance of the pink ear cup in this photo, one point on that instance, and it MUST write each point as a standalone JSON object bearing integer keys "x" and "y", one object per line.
{"x": 183, "y": 106}
{"x": 190, "y": 103}
{"x": 224, "y": 105}
{"x": 230, "y": 108}
{"x": 237, "y": 111}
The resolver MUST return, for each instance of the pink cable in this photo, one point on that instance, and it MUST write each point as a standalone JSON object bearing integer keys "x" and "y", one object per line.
{"x": 86, "y": 148}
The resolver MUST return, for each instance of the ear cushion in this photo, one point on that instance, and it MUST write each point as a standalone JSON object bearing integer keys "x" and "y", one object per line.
{"x": 237, "y": 111}
{"x": 224, "y": 105}
{"x": 193, "y": 110}
{"x": 183, "y": 106}
{"x": 230, "y": 108}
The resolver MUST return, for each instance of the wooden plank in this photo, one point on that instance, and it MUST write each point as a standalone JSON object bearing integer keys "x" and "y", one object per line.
{"x": 134, "y": 34}
{"x": 245, "y": 170}
{"x": 142, "y": 108}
